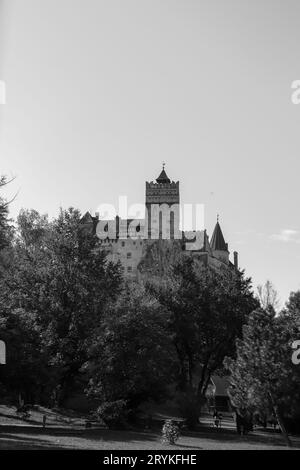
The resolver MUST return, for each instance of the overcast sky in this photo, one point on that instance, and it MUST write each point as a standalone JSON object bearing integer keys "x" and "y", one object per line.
{"x": 100, "y": 92}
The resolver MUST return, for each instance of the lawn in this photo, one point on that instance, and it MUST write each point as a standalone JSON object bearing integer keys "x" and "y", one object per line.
{"x": 26, "y": 437}
{"x": 67, "y": 431}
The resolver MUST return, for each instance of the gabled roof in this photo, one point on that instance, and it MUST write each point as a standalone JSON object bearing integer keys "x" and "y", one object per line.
{"x": 163, "y": 178}
{"x": 86, "y": 218}
{"x": 217, "y": 240}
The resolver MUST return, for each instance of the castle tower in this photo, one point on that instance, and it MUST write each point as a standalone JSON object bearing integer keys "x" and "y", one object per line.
{"x": 218, "y": 245}
{"x": 162, "y": 208}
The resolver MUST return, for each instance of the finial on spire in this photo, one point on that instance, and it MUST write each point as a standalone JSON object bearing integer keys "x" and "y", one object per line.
{"x": 163, "y": 178}
{"x": 217, "y": 241}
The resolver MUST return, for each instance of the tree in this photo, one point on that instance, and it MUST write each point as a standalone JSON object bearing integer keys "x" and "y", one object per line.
{"x": 26, "y": 372}
{"x": 208, "y": 309}
{"x": 159, "y": 257}
{"x": 33, "y": 229}
{"x": 292, "y": 307}
{"x": 6, "y": 231}
{"x": 268, "y": 296}
{"x": 62, "y": 284}
{"x": 132, "y": 358}
{"x": 262, "y": 375}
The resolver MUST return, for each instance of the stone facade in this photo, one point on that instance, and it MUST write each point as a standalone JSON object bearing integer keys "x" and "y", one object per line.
{"x": 126, "y": 240}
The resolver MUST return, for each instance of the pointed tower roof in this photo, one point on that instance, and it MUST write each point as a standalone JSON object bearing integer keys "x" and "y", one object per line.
{"x": 217, "y": 240}
{"x": 163, "y": 178}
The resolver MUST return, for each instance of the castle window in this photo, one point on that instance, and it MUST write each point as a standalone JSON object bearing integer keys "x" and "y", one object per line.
{"x": 123, "y": 243}
{"x": 128, "y": 255}
{"x": 129, "y": 269}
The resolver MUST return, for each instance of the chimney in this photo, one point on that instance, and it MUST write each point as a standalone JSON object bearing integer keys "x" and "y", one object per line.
{"x": 236, "y": 259}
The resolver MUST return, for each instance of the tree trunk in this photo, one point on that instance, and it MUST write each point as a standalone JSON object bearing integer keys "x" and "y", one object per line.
{"x": 206, "y": 383}
{"x": 280, "y": 423}
{"x": 282, "y": 426}
{"x": 202, "y": 379}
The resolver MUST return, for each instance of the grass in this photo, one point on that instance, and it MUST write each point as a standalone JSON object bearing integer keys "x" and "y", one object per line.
{"x": 28, "y": 437}
{"x": 67, "y": 431}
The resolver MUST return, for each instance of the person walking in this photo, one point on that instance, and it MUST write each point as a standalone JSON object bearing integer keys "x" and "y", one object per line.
{"x": 216, "y": 418}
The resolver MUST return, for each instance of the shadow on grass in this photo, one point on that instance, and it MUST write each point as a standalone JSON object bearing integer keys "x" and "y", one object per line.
{"x": 33, "y": 422}
{"x": 58, "y": 417}
{"x": 28, "y": 437}
{"x": 190, "y": 447}
{"x": 231, "y": 436}
{"x": 10, "y": 433}
{"x": 13, "y": 441}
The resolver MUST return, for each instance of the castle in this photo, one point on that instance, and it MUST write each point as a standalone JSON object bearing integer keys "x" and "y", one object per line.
{"x": 126, "y": 240}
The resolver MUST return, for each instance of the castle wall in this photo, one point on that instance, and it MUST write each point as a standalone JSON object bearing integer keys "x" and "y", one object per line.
{"x": 128, "y": 251}
{"x": 126, "y": 240}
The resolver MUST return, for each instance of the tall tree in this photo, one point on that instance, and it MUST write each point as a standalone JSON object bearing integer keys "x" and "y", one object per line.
{"x": 159, "y": 257}
{"x": 132, "y": 358}
{"x": 63, "y": 283}
{"x": 208, "y": 309}
{"x": 5, "y": 226}
{"x": 292, "y": 307}
{"x": 268, "y": 296}
{"x": 263, "y": 376}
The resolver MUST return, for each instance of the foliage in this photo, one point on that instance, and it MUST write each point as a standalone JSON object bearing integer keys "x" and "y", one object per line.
{"x": 208, "y": 309}
{"x": 68, "y": 318}
{"x": 189, "y": 406}
{"x": 268, "y": 296}
{"x": 159, "y": 257}
{"x": 263, "y": 376}
{"x": 132, "y": 355}
{"x": 5, "y": 228}
{"x": 292, "y": 308}
{"x": 114, "y": 414}
{"x": 60, "y": 284}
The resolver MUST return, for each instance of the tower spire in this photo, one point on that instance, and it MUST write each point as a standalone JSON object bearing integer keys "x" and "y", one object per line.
{"x": 163, "y": 178}
{"x": 217, "y": 239}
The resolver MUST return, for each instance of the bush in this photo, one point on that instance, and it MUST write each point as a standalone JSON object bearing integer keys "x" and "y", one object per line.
{"x": 113, "y": 413}
{"x": 170, "y": 432}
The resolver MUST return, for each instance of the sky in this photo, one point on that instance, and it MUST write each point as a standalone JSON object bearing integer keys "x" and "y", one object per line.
{"x": 99, "y": 93}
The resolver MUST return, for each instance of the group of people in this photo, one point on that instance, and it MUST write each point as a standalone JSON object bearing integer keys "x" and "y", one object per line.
{"x": 244, "y": 420}
{"x": 217, "y": 416}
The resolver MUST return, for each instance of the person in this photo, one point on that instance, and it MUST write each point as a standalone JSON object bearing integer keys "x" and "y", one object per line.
{"x": 240, "y": 423}
{"x": 220, "y": 419}
{"x": 44, "y": 421}
{"x": 244, "y": 422}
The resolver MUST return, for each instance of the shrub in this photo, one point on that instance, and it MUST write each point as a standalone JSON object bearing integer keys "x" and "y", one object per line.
{"x": 113, "y": 413}
{"x": 170, "y": 432}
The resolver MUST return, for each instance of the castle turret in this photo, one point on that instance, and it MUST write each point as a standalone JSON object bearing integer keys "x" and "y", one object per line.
{"x": 218, "y": 245}
{"x": 162, "y": 208}
{"x": 163, "y": 178}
